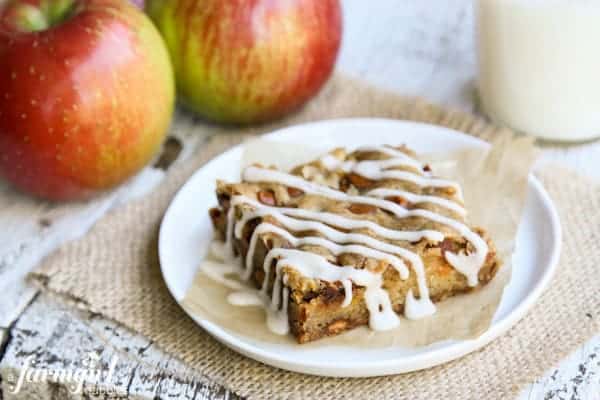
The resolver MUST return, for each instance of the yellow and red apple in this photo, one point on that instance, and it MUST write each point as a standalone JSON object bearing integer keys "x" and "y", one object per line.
{"x": 86, "y": 95}
{"x": 243, "y": 61}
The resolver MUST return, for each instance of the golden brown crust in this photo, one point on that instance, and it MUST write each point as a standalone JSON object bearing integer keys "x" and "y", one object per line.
{"x": 315, "y": 306}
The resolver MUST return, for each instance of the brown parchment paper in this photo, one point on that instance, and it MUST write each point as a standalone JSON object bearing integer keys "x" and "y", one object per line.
{"x": 494, "y": 186}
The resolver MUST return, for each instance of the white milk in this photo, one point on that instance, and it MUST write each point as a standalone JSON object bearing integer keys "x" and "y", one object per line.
{"x": 539, "y": 66}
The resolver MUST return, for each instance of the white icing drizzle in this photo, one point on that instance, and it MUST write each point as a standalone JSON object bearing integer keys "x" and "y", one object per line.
{"x": 335, "y": 248}
{"x": 347, "y": 283}
{"x": 467, "y": 264}
{"x": 393, "y": 153}
{"x": 333, "y": 237}
{"x": 417, "y": 198}
{"x": 219, "y": 271}
{"x": 380, "y": 169}
{"x": 418, "y": 308}
{"x": 245, "y": 298}
{"x": 310, "y": 265}
{"x": 228, "y": 254}
{"x": 332, "y": 163}
{"x": 333, "y": 220}
{"x": 277, "y": 306}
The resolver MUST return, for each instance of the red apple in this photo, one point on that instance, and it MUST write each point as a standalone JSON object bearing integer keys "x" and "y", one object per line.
{"x": 86, "y": 95}
{"x": 242, "y": 61}
{"x": 138, "y": 3}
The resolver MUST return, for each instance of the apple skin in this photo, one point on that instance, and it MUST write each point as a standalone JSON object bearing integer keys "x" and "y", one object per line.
{"x": 138, "y": 3}
{"x": 247, "y": 61}
{"x": 85, "y": 104}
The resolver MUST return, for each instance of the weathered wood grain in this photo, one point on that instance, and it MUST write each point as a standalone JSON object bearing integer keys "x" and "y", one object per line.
{"x": 58, "y": 337}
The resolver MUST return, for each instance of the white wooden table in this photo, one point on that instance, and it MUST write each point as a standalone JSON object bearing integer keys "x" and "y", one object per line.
{"x": 413, "y": 47}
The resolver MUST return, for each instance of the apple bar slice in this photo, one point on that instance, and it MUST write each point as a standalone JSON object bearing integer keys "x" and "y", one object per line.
{"x": 353, "y": 238}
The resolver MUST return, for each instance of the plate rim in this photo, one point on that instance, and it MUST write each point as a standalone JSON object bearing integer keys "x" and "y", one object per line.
{"x": 373, "y": 368}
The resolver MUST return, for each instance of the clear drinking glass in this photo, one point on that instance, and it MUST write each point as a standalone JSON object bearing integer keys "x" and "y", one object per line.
{"x": 539, "y": 66}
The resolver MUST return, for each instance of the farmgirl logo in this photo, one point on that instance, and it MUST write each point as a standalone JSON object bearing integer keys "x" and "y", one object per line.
{"x": 91, "y": 373}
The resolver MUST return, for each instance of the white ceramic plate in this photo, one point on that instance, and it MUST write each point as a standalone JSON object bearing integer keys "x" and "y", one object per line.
{"x": 186, "y": 232}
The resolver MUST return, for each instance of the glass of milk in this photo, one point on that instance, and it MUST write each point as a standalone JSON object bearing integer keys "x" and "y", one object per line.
{"x": 539, "y": 66}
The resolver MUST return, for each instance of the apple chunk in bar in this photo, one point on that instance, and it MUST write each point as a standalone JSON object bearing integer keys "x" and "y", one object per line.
{"x": 350, "y": 239}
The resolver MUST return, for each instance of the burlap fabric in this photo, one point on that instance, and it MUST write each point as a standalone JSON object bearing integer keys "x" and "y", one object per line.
{"x": 114, "y": 271}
